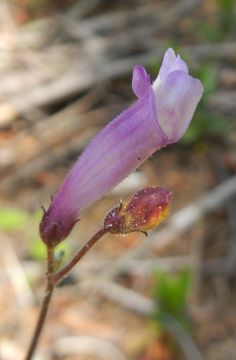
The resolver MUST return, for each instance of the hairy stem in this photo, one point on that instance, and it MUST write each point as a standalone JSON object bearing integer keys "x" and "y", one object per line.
{"x": 66, "y": 269}
{"x": 45, "y": 305}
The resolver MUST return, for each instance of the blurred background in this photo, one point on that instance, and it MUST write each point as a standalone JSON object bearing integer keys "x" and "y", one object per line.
{"x": 65, "y": 70}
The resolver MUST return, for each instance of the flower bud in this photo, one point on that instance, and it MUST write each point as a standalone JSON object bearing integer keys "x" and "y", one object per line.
{"x": 142, "y": 211}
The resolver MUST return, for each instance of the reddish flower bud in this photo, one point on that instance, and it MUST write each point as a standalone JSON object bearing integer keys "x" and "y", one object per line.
{"x": 140, "y": 212}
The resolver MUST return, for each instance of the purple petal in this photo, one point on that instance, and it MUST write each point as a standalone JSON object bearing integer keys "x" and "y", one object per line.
{"x": 140, "y": 81}
{"x": 170, "y": 63}
{"x": 117, "y": 150}
{"x": 176, "y": 101}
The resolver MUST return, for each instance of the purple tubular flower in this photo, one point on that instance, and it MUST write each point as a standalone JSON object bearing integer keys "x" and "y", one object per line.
{"x": 160, "y": 116}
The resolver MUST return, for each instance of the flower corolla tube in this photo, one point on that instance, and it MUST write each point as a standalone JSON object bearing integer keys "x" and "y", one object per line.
{"x": 160, "y": 116}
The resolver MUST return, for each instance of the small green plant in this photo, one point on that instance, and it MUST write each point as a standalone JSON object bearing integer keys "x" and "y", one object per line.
{"x": 170, "y": 315}
{"x": 12, "y": 219}
{"x": 170, "y": 296}
{"x": 226, "y": 15}
{"x": 221, "y": 26}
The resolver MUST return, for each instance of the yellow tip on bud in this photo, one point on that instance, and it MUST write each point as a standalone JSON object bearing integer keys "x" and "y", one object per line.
{"x": 142, "y": 211}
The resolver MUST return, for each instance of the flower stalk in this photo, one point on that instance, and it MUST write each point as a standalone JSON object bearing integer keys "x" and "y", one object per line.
{"x": 45, "y": 305}
{"x": 53, "y": 279}
{"x": 68, "y": 267}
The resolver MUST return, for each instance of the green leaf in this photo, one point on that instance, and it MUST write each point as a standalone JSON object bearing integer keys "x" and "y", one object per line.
{"x": 226, "y": 17}
{"x": 38, "y": 250}
{"x": 12, "y": 219}
{"x": 226, "y": 5}
{"x": 37, "y": 216}
{"x": 170, "y": 293}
